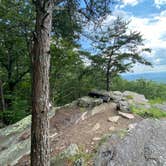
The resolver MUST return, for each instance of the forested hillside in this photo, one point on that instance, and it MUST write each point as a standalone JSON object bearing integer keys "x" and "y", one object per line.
{"x": 53, "y": 52}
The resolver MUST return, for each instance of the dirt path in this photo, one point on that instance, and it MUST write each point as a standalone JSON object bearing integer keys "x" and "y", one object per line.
{"x": 84, "y": 132}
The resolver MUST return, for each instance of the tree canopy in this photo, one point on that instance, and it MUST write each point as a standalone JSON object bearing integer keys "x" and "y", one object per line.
{"x": 118, "y": 49}
{"x": 74, "y": 71}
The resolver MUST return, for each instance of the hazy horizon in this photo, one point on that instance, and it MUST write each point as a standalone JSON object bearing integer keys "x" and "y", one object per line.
{"x": 159, "y": 76}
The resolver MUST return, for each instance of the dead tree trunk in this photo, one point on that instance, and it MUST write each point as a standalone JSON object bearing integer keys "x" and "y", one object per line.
{"x": 40, "y": 148}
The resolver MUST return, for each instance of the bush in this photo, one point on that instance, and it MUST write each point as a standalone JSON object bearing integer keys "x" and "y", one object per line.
{"x": 16, "y": 112}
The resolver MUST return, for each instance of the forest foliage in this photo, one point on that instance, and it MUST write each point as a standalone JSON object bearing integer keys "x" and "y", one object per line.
{"x": 74, "y": 70}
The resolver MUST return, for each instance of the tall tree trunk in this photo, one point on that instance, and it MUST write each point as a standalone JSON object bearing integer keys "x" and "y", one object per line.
{"x": 108, "y": 75}
{"x": 40, "y": 148}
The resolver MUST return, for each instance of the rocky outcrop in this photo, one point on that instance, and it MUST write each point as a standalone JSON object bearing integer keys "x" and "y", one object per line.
{"x": 144, "y": 145}
{"x": 102, "y": 94}
{"x": 161, "y": 106}
{"x": 12, "y": 145}
{"x": 89, "y": 102}
{"x": 123, "y": 99}
{"x": 127, "y": 99}
{"x": 15, "y": 139}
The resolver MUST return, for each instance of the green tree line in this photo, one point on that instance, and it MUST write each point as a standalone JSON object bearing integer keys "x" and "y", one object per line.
{"x": 74, "y": 71}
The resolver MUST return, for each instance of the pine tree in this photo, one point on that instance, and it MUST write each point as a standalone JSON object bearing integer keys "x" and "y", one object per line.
{"x": 118, "y": 49}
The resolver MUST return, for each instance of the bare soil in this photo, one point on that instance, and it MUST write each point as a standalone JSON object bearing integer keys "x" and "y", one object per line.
{"x": 82, "y": 133}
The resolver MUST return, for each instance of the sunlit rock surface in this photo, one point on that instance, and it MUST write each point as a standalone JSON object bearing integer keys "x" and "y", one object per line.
{"x": 144, "y": 145}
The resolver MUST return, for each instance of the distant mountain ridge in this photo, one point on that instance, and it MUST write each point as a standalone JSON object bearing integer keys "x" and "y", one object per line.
{"x": 159, "y": 77}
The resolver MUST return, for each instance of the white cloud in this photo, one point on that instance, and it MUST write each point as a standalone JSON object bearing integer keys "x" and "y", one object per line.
{"x": 153, "y": 29}
{"x": 129, "y": 2}
{"x": 158, "y": 3}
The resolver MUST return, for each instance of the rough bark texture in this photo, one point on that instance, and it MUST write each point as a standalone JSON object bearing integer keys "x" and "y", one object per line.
{"x": 40, "y": 150}
{"x": 108, "y": 75}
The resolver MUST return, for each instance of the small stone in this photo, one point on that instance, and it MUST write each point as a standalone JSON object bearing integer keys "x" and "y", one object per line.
{"x": 70, "y": 151}
{"x": 112, "y": 128}
{"x": 83, "y": 116}
{"x": 92, "y": 143}
{"x": 96, "y": 139}
{"x": 79, "y": 162}
{"x": 113, "y": 119}
{"x": 126, "y": 115}
{"x": 96, "y": 127}
{"x": 132, "y": 126}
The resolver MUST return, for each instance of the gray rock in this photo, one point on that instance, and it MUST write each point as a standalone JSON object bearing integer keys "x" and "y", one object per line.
{"x": 13, "y": 143}
{"x": 102, "y": 94}
{"x": 160, "y": 106}
{"x": 136, "y": 99}
{"x": 70, "y": 151}
{"x": 145, "y": 145}
{"x": 124, "y": 106}
{"x": 126, "y": 99}
{"x": 116, "y": 96}
{"x": 102, "y": 107}
{"x": 79, "y": 162}
{"x": 11, "y": 147}
{"x": 126, "y": 115}
{"x": 60, "y": 159}
{"x": 89, "y": 102}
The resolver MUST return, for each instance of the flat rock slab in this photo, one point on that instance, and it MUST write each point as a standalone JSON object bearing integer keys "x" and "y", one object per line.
{"x": 114, "y": 119}
{"x": 89, "y": 102}
{"x": 161, "y": 106}
{"x": 145, "y": 145}
{"x": 135, "y": 97}
{"x": 96, "y": 127}
{"x": 126, "y": 115}
{"x": 96, "y": 139}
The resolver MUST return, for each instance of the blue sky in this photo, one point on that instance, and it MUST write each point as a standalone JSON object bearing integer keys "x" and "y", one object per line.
{"x": 148, "y": 17}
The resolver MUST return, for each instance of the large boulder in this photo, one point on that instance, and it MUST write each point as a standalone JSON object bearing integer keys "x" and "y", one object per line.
{"x": 116, "y": 96}
{"x": 127, "y": 99}
{"x": 124, "y": 106}
{"x": 102, "y": 94}
{"x": 161, "y": 106}
{"x": 15, "y": 139}
{"x": 89, "y": 102}
{"x": 136, "y": 99}
{"x": 145, "y": 145}
{"x": 12, "y": 144}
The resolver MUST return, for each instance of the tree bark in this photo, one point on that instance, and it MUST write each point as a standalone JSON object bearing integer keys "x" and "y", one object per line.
{"x": 40, "y": 148}
{"x": 108, "y": 75}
